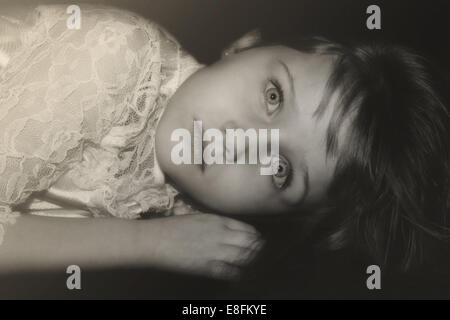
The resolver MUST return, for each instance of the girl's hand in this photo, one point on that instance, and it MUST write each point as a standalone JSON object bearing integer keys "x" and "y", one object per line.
{"x": 203, "y": 244}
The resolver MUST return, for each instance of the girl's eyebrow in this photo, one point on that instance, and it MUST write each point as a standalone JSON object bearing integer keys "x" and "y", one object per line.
{"x": 289, "y": 74}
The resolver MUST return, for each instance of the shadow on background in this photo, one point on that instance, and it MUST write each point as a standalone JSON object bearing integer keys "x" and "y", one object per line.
{"x": 205, "y": 27}
{"x": 283, "y": 271}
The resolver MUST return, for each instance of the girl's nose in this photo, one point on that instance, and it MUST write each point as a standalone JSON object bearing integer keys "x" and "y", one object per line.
{"x": 230, "y": 124}
{"x": 235, "y": 152}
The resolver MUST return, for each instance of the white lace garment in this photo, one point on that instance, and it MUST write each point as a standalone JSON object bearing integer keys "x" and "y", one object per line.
{"x": 78, "y": 112}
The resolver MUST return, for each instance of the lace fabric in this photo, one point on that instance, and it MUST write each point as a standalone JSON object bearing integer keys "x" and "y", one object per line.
{"x": 79, "y": 109}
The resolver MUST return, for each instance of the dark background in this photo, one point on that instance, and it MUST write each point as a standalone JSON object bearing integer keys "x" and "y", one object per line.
{"x": 205, "y": 27}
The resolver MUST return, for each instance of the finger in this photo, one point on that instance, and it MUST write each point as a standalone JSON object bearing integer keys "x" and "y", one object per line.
{"x": 255, "y": 250}
{"x": 237, "y": 256}
{"x": 223, "y": 270}
{"x": 241, "y": 239}
{"x": 249, "y": 254}
{"x": 240, "y": 226}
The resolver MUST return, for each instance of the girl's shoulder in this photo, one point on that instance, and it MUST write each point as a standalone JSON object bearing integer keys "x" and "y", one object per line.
{"x": 85, "y": 18}
{"x": 73, "y": 12}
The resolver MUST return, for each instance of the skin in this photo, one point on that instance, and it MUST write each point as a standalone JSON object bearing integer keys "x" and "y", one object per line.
{"x": 178, "y": 243}
{"x": 204, "y": 244}
{"x": 230, "y": 93}
{"x": 243, "y": 91}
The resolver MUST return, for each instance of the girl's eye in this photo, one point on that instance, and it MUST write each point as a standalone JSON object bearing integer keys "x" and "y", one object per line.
{"x": 282, "y": 170}
{"x": 273, "y": 97}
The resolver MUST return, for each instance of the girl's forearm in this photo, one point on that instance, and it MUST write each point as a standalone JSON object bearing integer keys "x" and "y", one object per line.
{"x": 37, "y": 243}
{"x": 203, "y": 244}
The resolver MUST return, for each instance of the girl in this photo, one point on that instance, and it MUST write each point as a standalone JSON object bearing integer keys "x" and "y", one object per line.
{"x": 87, "y": 122}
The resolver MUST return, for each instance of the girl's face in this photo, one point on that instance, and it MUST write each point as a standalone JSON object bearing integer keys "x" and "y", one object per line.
{"x": 261, "y": 88}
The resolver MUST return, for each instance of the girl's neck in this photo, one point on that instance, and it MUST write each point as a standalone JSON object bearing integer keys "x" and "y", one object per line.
{"x": 177, "y": 66}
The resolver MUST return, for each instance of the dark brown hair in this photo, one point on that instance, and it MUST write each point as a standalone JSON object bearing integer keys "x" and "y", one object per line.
{"x": 390, "y": 192}
{"x": 393, "y": 174}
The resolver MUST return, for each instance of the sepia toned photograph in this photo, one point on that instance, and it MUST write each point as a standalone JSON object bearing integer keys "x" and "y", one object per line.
{"x": 221, "y": 150}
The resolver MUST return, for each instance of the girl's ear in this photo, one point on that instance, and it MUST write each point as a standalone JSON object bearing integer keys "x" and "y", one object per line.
{"x": 248, "y": 40}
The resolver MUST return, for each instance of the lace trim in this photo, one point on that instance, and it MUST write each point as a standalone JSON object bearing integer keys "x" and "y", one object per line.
{"x": 7, "y": 216}
{"x": 104, "y": 87}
